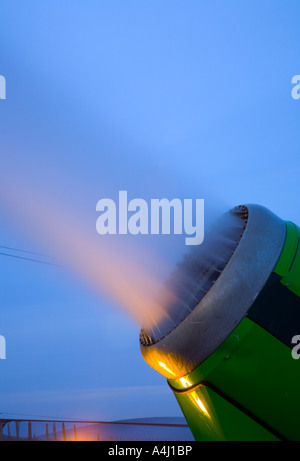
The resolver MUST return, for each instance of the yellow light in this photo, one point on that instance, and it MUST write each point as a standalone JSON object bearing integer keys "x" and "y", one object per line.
{"x": 163, "y": 365}
{"x": 185, "y": 382}
{"x": 199, "y": 402}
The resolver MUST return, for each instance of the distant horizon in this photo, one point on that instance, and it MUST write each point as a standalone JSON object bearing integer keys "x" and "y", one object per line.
{"x": 159, "y": 99}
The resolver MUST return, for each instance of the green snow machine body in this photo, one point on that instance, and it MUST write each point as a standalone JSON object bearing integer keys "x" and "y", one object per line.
{"x": 232, "y": 358}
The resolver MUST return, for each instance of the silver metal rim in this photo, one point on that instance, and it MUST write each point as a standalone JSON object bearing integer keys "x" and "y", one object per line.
{"x": 227, "y": 302}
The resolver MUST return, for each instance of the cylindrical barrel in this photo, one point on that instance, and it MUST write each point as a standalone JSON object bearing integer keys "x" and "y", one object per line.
{"x": 229, "y": 361}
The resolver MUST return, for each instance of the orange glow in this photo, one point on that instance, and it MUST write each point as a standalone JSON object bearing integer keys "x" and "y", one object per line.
{"x": 185, "y": 382}
{"x": 128, "y": 276}
{"x": 163, "y": 365}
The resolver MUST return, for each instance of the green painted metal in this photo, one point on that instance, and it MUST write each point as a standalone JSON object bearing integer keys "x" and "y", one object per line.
{"x": 220, "y": 419}
{"x": 248, "y": 389}
{"x": 257, "y": 373}
{"x": 288, "y": 266}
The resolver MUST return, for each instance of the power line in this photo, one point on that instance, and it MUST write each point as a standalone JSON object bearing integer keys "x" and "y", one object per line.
{"x": 88, "y": 421}
{"x": 45, "y": 417}
{"x": 30, "y": 259}
{"x": 24, "y": 251}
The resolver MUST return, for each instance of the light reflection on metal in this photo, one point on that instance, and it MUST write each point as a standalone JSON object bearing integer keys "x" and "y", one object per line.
{"x": 185, "y": 382}
{"x": 163, "y": 365}
{"x": 199, "y": 402}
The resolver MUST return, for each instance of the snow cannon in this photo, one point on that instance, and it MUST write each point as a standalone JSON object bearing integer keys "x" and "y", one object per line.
{"x": 229, "y": 344}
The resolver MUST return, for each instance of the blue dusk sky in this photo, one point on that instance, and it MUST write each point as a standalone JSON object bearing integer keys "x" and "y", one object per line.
{"x": 186, "y": 99}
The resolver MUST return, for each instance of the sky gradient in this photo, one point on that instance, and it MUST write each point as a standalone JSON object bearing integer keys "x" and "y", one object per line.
{"x": 162, "y": 99}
